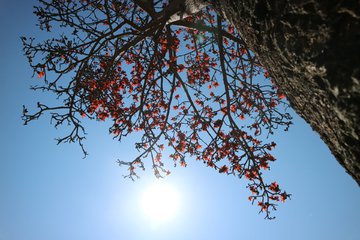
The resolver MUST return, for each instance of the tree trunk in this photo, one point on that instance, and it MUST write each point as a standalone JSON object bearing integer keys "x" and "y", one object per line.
{"x": 311, "y": 49}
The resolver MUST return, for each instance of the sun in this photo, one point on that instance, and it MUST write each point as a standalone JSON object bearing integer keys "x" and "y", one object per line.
{"x": 160, "y": 202}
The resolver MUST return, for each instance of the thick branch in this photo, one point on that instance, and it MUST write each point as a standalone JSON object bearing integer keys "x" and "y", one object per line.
{"x": 186, "y": 24}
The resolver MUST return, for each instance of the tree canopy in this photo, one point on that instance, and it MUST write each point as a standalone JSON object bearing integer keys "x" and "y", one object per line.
{"x": 184, "y": 80}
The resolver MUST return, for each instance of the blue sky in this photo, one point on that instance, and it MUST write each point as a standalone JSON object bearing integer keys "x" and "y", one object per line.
{"x": 49, "y": 191}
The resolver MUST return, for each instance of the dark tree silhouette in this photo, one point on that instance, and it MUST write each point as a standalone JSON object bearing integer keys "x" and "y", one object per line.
{"x": 182, "y": 77}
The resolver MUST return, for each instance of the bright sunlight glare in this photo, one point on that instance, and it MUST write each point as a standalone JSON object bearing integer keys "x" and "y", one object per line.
{"x": 160, "y": 202}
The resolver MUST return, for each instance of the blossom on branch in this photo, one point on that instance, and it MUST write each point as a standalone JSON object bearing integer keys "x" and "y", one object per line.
{"x": 182, "y": 79}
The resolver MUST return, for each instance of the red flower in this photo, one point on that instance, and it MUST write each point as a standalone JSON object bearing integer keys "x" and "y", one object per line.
{"x": 41, "y": 74}
{"x": 224, "y": 169}
{"x": 284, "y": 196}
{"x": 158, "y": 157}
{"x": 217, "y": 123}
{"x": 211, "y": 164}
{"x": 274, "y": 187}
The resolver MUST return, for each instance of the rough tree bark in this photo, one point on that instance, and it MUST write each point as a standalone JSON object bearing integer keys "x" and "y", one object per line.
{"x": 311, "y": 49}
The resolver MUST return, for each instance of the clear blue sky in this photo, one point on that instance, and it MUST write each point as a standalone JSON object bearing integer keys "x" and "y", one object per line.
{"x": 48, "y": 191}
